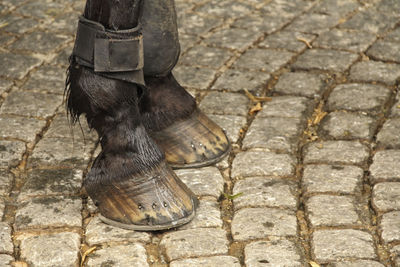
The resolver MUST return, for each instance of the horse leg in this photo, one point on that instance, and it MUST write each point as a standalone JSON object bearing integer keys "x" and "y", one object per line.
{"x": 188, "y": 137}
{"x": 129, "y": 181}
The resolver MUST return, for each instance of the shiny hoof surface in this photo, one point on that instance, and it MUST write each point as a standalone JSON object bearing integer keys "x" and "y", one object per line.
{"x": 156, "y": 200}
{"x": 194, "y": 142}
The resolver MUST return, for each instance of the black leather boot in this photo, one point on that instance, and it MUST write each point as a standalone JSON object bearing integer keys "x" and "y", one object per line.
{"x": 129, "y": 181}
{"x": 188, "y": 137}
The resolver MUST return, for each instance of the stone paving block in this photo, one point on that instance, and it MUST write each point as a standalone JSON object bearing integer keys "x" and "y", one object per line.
{"x": 300, "y": 83}
{"x": 370, "y": 21}
{"x": 5, "y": 39}
{"x": 286, "y": 107}
{"x": 6, "y": 260}
{"x": 393, "y": 36}
{"x": 194, "y": 23}
{"x": 132, "y": 255}
{"x": 40, "y": 42}
{"x": 255, "y": 223}
{"x": 263, "y": 60}
{"x": 230, "y": 124}
{"x": 237, "y": 80}
{"x": 221, "y": 261}
{"x": 66, "y": 23}
{"x": 6, "y": 245}
{"x": 356, "y": 263}
{"x": 326, "y": 210}
{"x": 385, "y": 51}
{"x": 385, "y": 166}
{"x": 370, "y": 98}
{"x": 17, "y": 65}
{"x": 224, "y": 8}
{"x": 187, "y": 41}
{"x": 389, "y": 136}
{"x": 194, "y": 243}
{"x": 336, "y": 7}
{"x": 272, "y": 253}
{"x": 348, "y": 125}
{"x": 259, "y": 163}
{"x": 355, "y": 41}
{"x": 51, "y": 182}
{"x": 395, "y": 111}
{"x": 31, "y": 104}
{"x": 62, "y": 57}
{"x": 264, "y": 192}
{"x": 330, "y": 245}
{"x": 262, "y": 22}
{"x": 225, "y": 104}
{"x": 386, "y": 197}
{"x": 5, "y": 182}
{"x": 313, "y": 23}
{"x": 206, "y": 181}
{"x": 47, "y": 79}
{"x": 326, "y": 60}
{"x": 332, "y": 178}
{"x": 39, "y": 10}
{"x": 390, "y": 226}
{"x": 2, "y": 206}
{"x": 17, "y": 24}
{"x": 59, "y": 249}
{"x": 388, "y": 7}
{"x": 61, "y": 127}
{"x": 375, "y": 71}
{"x": 49, "y": 212}
{"x": 98, "y": 232}
{"x": 60, "y": 152}
{"x": 22, "y": 128}
{"x": 5, "y": 85}
{"x": 10, "y": 153}
{"x": 204, "y": 56}
{"x": 208, "y": 215}
{"x": 194, "y": 77}
{"x": 288, "y": 40}
{"x": 231, "y": 38}
{"x": 278, "y": 134}
{"x": 335, "y": 152}
{"x": 286, "y": 8}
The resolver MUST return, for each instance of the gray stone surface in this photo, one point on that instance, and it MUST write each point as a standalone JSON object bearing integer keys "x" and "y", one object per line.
{"x": 208, "y": 215}
{"x": 6, "y": 245}
{"x": 194, "y": 77}
{"x": 5, "y": 182}
{"x": 326, "y": 210}
{"x": 210, "y": 57}
{"x": 276, "y": 253}
{"x": 371, "y": 21}
{"x": 193, "y": 23}
{"x": 40, "y": 42}
{"x": 258, "y": 163}
{"x": 132, "y": 255}
{"x": 313, "y": 23}
{"x": 17, "y": 65}
{"x": 221, "y": 261}
{"x": 348, "y": 125}
{"x": 98, "y": 232}
{"x": 300, "y": 83}
{"x": 206, "y": 181}
{"x": 6, "y": 260}
{"x": 233, "y": 38}
{"x": 264, "y": 191}
{"x": 263, "y": 60}
{"x": 357, "y": 263}
{"x": 58, "y": 249}
{"x": 390, "y": 226}
{"x": 31, "y": 104}
{"x": 288, "y": 40}
{"x": 2, "y": 206}
{"x": 224, "y": 9}
{"x": 330, "y": 245}
{"x": 389, "y": 136}
{"x": 370, "y": 98}
{"x": 47, "y": 79}
{"x": 386, "y": 197}
{"x": 5, "y": 85}
{"x": 327, "y": 60}
{"x": 385, "y": 51}
{"x": 49, "y": 212}
{"x": 237, "y": 80}
{"x": 10, "y": 153}
{"x": 256, "y": 223}
{"x": 336, "y": 152}
{"x": 355, "y": 41}
{"x": 385, "y": 166}
{"x": 332, "y": 178}
{"x": 261, "y": 22}
{"x": 21, "y": 128}
{"x": 231, "y": 124}
{"x": 225, "y": 104}
{"x": 194, "y": 242}
{"x": 300, "y": 107}
{"x": 373, "y": 71}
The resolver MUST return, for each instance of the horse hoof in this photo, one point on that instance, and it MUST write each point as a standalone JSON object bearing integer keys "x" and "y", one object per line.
{"x": 194, "y": 142}
{"x": 150, "y": 201}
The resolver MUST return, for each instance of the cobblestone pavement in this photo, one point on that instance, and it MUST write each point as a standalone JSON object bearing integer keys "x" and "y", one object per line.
{"x": 314, "y": 174}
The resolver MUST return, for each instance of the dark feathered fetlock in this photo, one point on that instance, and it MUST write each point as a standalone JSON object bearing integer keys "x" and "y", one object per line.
{"x": 188, "y": 137}
{"x": 129, "y": 181}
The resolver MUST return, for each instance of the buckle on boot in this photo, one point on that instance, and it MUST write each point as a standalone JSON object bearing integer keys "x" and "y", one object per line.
{"x": 106, "y": 50}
